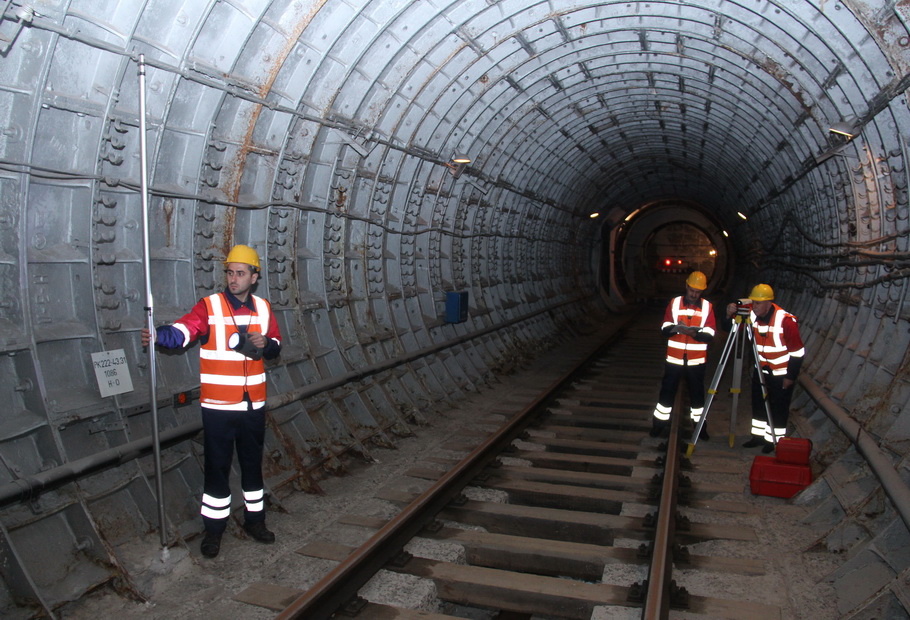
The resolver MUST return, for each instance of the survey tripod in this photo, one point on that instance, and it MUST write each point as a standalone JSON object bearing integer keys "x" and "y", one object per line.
{"x": 736, "y": 344}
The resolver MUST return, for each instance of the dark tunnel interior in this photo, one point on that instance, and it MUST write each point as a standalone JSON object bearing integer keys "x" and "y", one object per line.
{"x": 651, "y": 251}
{"x": 761, "y": 141}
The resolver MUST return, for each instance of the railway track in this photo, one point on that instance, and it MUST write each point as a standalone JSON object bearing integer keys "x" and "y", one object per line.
{"x": 569, "y": 510}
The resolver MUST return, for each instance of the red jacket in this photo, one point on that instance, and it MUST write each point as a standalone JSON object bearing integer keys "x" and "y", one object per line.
{"x": 226, "y": 377}
{"x": 778, "y": 341}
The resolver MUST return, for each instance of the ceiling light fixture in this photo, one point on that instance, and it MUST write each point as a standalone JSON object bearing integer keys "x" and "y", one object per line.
{"x": 845, "y": 128}
{"x": 457, "y": 164}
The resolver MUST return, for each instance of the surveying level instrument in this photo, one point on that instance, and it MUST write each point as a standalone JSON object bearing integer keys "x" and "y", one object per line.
{"x": 736, "y": 343}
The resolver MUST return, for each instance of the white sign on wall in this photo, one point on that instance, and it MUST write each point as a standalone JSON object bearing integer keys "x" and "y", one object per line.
{"x": 112, "y": 372}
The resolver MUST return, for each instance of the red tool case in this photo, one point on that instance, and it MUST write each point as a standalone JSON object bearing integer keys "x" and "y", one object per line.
{"x": 769, "y": 476}
{"x": 793, "y": 450}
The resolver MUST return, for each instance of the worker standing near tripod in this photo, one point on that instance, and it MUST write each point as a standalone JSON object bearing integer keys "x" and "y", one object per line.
{"x": 689, "y": 325}
{"x": 780, "y": 353}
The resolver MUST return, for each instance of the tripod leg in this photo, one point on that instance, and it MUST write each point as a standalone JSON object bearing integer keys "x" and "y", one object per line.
{"x": 712, "y": 389}
{"x": 736, "y": 387}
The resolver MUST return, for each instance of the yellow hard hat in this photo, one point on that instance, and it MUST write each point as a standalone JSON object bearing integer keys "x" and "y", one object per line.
{"x": 761, "y": 292}
{"x": 697, "y": 280}
{"x": 243, "y": 254}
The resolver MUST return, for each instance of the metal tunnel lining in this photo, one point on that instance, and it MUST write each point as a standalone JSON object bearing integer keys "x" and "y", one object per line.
{"x": 318, "y": 132}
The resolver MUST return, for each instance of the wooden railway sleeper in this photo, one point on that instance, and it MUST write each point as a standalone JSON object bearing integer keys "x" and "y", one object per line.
{"x": 353, "y": 607}
{"x": 637, "y": 592}
{"x": 400, "y": 559}
{"x": 681, "y": 554}
{"x": 684, "y": 481}
{"x": 679, "y": 596}
{"x": 683, "y": 524}
{"x": 684, "y": 463}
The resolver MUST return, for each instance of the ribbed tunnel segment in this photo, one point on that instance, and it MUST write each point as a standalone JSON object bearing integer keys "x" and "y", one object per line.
{"x": 321, "y": 133}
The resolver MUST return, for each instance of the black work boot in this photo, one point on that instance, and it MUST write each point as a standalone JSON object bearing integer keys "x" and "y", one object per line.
{"x": 259, "y": 532}
{"x": 768, "y": 448}
{"x": 754, "y": 442}
{"x": 703, "y": 434}
{"x": 211, "y": 545}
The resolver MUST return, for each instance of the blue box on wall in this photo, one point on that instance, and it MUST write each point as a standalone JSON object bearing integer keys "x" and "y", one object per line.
{"x": 456, "y": 307}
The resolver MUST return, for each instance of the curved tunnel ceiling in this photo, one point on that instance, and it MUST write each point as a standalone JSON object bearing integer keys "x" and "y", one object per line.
{"x": 319, "y": 132}
{"x": 598, "y": 104}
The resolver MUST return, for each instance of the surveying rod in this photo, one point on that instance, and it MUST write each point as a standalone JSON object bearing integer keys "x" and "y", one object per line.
{"x": 149, "y": 306}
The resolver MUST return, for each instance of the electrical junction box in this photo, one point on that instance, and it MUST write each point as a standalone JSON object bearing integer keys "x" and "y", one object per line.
{"x": 456, "y": 307}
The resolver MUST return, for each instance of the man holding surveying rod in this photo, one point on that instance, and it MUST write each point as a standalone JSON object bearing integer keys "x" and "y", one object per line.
{"x": 237, "y": 330}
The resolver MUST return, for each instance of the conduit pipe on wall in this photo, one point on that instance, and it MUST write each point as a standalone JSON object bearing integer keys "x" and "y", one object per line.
{"x": 30, "y": 487}
{"x": 881, "y": 465}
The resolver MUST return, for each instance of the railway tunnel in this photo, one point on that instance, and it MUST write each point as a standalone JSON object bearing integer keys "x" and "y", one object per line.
{"x": 438, "y": 190}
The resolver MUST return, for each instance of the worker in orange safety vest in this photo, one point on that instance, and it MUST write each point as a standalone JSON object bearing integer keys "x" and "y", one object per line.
{"x": 780, "y": 356}
{"x": 237, "y": 331}
{"x": 689, "y": 327}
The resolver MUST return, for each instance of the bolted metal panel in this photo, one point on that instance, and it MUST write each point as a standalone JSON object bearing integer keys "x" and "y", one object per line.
{"x": 65, "y": 533}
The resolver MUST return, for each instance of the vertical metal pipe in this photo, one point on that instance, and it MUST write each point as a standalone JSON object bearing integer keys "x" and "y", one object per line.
{"x": 149, "y": 304}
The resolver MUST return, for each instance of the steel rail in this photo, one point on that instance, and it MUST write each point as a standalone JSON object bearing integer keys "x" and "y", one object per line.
{"x": 341, "y": 584}
{"x": 657, "y": 599}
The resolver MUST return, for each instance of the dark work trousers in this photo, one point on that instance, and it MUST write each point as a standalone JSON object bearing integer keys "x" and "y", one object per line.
{"x": 222, "y": 431}
{"x": 778, "y": 400}
{"x": 695, "y": 380}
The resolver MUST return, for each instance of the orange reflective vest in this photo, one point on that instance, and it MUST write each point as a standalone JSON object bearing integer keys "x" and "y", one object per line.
{"x": 774, "y": 347}
{"x": 682, "y": 349}
{"x": 225, "y": 376}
